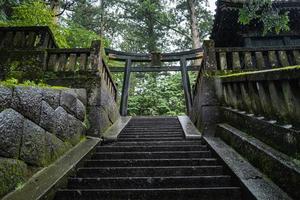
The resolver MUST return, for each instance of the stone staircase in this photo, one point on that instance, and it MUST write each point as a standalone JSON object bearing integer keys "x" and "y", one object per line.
{"x": 152, "y": 160}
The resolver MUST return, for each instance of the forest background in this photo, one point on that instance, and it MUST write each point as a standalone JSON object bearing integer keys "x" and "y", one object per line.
{"x": 140, "y": 26}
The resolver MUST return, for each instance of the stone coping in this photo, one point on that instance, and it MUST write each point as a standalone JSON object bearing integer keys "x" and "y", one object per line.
{"x": 190, "y": 131}
{"x": 285, "y": 73}
{"x": 113, "y": 132}
{"x": 257, "y": 185}
{"x": 43, "y": 184}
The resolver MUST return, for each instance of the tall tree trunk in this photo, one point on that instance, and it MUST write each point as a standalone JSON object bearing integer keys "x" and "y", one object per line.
{"x": 102, "y": 9}
{"x": 193, "y": 24}
{"x": 54, "y": 4}
{"x": 194, "y": 27}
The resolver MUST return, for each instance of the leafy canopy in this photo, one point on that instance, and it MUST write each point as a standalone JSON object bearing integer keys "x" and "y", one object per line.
{"x": 265, "y": 12}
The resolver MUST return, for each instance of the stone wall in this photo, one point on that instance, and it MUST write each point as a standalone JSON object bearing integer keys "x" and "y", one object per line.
{"x": 205, "y": 110}
{"x": 102, "y": 109}
{"x": 37, "y": 125}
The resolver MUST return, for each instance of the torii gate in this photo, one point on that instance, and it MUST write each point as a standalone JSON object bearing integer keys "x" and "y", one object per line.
{"x": 155, "y": 59}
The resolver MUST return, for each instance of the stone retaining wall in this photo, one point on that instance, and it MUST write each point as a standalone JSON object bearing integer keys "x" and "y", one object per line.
{"x": 36, "y": 127}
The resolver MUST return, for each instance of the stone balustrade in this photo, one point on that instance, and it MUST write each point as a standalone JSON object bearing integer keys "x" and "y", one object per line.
{"x": 271, "y": 94}
{"x": 35, "y": 48}
{"x": 256, "y": 58}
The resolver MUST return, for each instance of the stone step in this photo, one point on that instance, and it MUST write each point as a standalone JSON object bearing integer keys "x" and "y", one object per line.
{"x": 151, "y": 139}
{"x": 152, "y": 155}
{"x": 151, "y": 148}
{"x": 150, "y": 171}
{"x": 157, "y": 143}
{"x": 146, "y": 182}
{"x": 152, "y": 133}
{"x": 151, "y": 162}
{"x": 276, "y": 165}
{"x": 150, "y": 136}
{"x": 212, "y": 193}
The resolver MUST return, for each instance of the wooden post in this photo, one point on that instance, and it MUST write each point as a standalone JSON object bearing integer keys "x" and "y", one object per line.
{"x": 186, "y": 85}
{"x": 125, "y": 89}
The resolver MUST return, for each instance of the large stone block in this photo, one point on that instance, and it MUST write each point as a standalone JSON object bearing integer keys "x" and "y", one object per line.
{"x": 28, "y": 102}
{"x": 48, "y": 116}
{"x": 68, "y": 128}
{"x": 5, "y": 97}
{"x": 99, "y": 120}
{"x": 80, "y": 110}
{"x": 81, "y": 95}
{"x": 12, "y": 173}
{"x": 68, "y": 101}
{"x": 11, "y": 130}
{"x": 56, "y": 146}
{"x": 34, "y": 149}
{"x": 52, "y": 97}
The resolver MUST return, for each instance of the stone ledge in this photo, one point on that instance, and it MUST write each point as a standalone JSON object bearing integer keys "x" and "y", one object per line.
{"x": 113, "y": 132}
{"x": 255, "y": 183}
{"x": 190, "y": 131}
{"x": 277, "y": 166}
{"x": 43, "y": 184}
{"x": 285, "y": 73}
{"x": 281, "y": 138}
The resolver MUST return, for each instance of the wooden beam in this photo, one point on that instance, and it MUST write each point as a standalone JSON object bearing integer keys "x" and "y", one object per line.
{"x": 125, "y": 89}
{"x": 155, "y": 69}
{"x": 186, "y": 85}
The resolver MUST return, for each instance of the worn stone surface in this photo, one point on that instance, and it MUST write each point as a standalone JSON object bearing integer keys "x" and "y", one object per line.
{"x": 80, "y": 110}
{"x": 68, "y": 101}
{"x": 28, "y": 102}
{"x": 48, "y": 116}
{"x": 277, "y": 166}
{"x": 11, "y": 130}
{"x": 56, "y": 146}
{"x": 99, "y": 120}
{"x": 68, "y": 128}
{"x": 34, "y": 149}
{"x": 282, "y": 139}
{"x": 5, "y": 97}
{"x": 81, "y": 95}
{"x": 52, "y": 97}
{"x": 12, "y": 173}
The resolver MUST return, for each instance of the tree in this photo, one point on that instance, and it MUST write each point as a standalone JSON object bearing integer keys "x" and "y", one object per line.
{"x": 265, "y": 12}
{"x": 195, "y": 15}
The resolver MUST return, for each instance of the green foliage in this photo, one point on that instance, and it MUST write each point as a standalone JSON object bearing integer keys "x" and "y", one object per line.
{"x": 69, "y": 36}
{"x": 264, "y": 11}
{"x": 157, "y": 94}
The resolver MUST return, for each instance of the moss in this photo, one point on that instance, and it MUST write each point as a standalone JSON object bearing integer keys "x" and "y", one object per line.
{"x": 232, "y": 74}
{"x": 11, "y": 83}
{"x": 12, "y": 174}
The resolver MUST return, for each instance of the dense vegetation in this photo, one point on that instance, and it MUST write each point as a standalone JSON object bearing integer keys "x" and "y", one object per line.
{"x": 134, "y": 26}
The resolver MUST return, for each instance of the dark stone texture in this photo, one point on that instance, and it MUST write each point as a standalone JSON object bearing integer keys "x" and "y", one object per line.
{"x": 48, "y": 116}
{"x": 68, "y": 128}
{"x": 28, "y": 102}
{"x": 68, "y": 101}
{"x": 81, "y": 95}
{"x": 277, "y": 166}
{"x": 12, "y": 173}
{"x": 99, "y": 120}
{"x": 80, "y": 110}
{"x": 52, "y": 97}
{"x": 11, "y": 130}
{"x": 34, "y": 149}
{"x": 5, "y": 97}
{"x": 280, "y": 138}
{"x": 205, "y": 112}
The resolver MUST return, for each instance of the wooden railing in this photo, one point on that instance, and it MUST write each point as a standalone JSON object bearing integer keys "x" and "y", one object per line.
{"x": 256, "y": 58}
